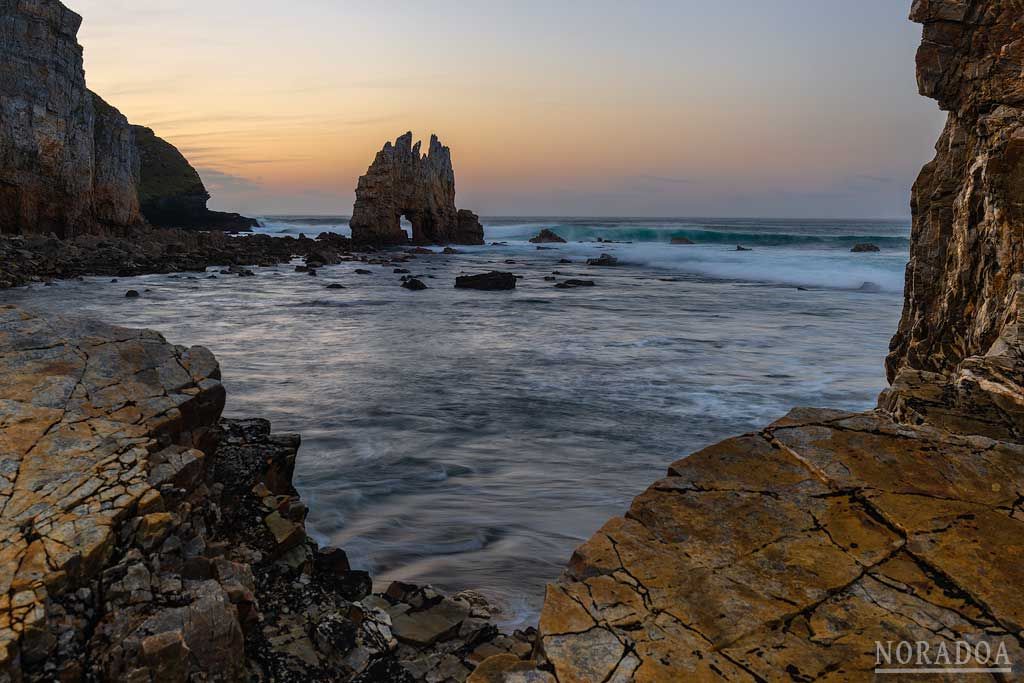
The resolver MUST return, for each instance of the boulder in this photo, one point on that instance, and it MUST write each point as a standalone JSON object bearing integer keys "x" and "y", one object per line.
{"x": 493, "y": 280}
{"x": 414, "y": 284}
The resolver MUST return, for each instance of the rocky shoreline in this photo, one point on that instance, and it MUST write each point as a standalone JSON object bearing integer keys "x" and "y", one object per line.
{"x": 34, "y": 258}
{"x": 144, "y": 538}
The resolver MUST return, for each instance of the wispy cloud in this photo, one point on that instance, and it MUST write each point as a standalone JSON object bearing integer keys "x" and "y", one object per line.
{"x": 219, "y": 181}
{"x": 881, "y": 180}
{"x": 665, "y": 179}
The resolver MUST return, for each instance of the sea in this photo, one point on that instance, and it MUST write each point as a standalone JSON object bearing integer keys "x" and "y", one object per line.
{"x": 471, "y": 440}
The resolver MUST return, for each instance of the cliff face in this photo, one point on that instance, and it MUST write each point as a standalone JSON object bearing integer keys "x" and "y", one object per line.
{"x": 66, "y": 165}
{"x": 402, "y": 182}
{"x": 172, "y": 194}
{"x": 958, "y": 355}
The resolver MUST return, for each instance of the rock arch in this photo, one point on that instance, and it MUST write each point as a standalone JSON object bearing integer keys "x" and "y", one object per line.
{"x": 421, "y": 187}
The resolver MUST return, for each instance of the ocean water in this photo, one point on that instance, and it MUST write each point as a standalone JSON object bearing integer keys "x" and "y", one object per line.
{"x": 474, "y": 439}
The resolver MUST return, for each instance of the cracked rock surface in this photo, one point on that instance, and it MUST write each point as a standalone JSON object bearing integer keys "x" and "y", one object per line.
{"x": 142, "y": 538}
{"x": 793, "y": 551}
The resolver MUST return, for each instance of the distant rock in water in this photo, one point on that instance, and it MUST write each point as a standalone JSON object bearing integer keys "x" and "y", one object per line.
{"x": 414, "y": 284}
{"x": 67, "y": 162}
{"x": 870, "y": 287}
{"x": 573, "y": 284}
{"x": 171, "y": 193}
{"x": 681, "y": 240}
{"x": 740, "y": 247}
{"x": 603, "y": 260}
{"x": 864, "y": 248}
{"x": 493, "y": 280}
{"x": 547, "y": 237}
{"x": 421, "y": 187}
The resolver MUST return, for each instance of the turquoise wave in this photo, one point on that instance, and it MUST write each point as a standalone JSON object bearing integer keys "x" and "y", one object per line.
{"x": 633, "y": 233}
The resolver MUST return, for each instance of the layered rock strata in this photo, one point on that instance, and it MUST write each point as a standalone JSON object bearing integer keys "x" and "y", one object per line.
{"x": 171, "y": 193}
{"x": 421, "y": 187}
{"x": 68, "y": 164}
{"x": 958, "y": 356}
{"x": 142, "y": 538}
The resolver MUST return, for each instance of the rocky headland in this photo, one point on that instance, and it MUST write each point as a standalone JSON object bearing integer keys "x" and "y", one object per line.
{"x": 421, "y": 187}
{"x": 70, "y": 164}
{"x": 171, "y": 193}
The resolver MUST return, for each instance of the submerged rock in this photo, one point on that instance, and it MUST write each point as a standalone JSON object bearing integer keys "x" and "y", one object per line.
{"x": 742, "y": 248}
{"x": 681, "y": 240}
{"x": 573, "y": 284}
{"x": 493, "y": 280}
{"x": 864, "y": 247}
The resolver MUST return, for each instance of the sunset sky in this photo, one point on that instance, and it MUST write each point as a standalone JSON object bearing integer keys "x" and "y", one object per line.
{"x": 788, "y": 108}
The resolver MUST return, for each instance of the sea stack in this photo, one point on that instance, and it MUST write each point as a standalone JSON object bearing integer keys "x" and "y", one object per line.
{"x": 402, "y": 182}
{"x": 68, "y": 163}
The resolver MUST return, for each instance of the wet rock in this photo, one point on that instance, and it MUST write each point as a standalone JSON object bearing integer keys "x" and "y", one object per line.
{"x": 547, "y": 236}
{"x": 864, "y": 248}
{"x": 574, "y": 284}
{"x": 681, "y": 240}
{"x": 335, "y": 285}
{"x": 604, "y": 260}
{"x": 742, "y": 248}
{"x": 132, "y": 294}
{"x": 493, "y": 280}
{"x": 363, "y": 271}
{"x": 414, "y": 284}
{"x": 871, "y": 287}
{"x": 430, "y": 625}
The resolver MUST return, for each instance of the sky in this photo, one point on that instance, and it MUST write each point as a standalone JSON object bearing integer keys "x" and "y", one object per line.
{"x": 787, "y": 108}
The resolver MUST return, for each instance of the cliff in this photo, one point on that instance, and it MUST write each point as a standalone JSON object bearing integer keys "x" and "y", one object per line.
{"x": 67, "y": 163}
{"x": 402, "y": 182}
{"x": 70, "y": 164}
{"x": 958, "y": 356}
{"x": 172, "y": 194}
